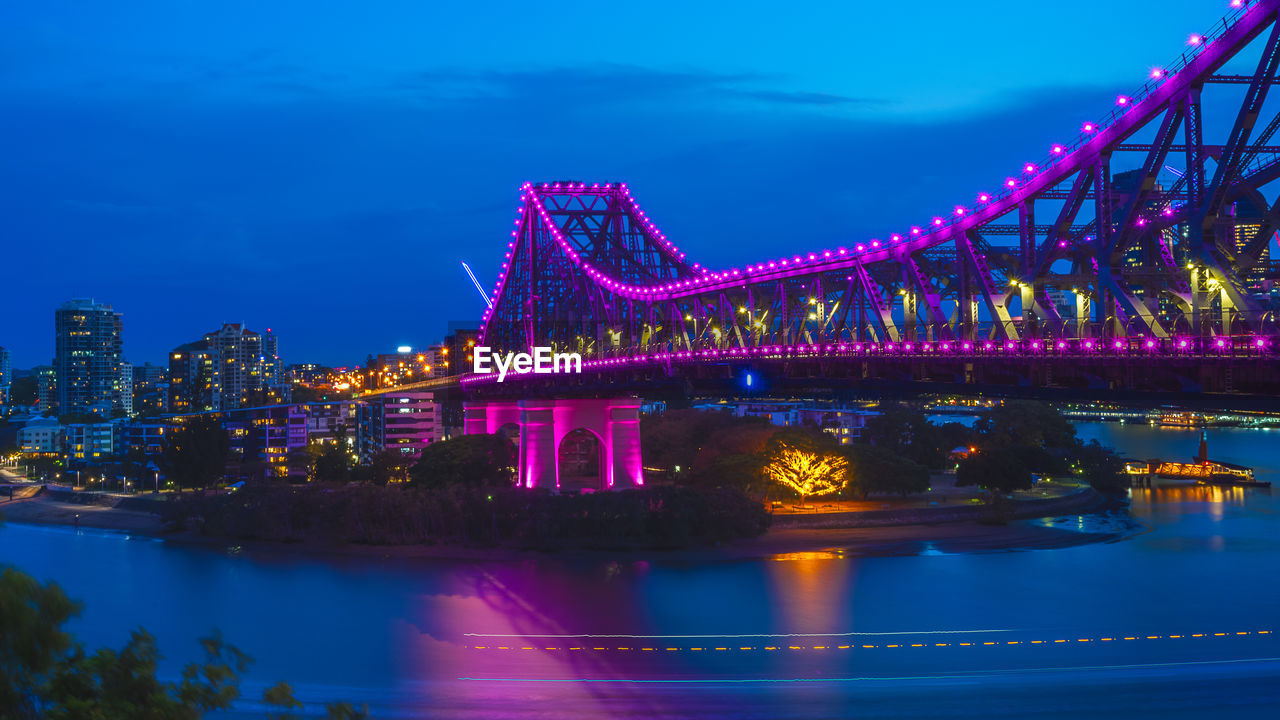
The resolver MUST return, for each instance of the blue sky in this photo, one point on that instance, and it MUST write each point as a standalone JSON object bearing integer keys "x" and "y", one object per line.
{"x": 320, "y": 168}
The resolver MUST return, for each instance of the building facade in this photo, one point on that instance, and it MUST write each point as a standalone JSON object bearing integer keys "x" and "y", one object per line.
{"x": 229, "y": 368}
{"x": 150, "y": 389}
{"x": 88, "y": 363}
{"x": 6, "y": 375}
{"x": 89, "y": 443}
{"x": 405, "y": 422}
{"x": 41, "y": 438}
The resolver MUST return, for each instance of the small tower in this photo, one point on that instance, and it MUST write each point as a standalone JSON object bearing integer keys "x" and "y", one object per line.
{"x": 1203, "y": 457}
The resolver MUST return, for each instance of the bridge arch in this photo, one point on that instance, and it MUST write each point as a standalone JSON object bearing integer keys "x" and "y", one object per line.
{"x": 580, "y": 461}
{"x": 543, "y": 426}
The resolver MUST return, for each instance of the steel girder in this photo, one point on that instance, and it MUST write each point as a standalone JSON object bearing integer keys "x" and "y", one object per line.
{"x": 1145, "y": 251}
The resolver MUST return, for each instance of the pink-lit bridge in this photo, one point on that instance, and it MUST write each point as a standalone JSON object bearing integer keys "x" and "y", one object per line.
{"x": 1132, "y": 255}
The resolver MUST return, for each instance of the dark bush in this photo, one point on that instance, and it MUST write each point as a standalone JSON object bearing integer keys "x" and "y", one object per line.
{"x": 655, "y": 517}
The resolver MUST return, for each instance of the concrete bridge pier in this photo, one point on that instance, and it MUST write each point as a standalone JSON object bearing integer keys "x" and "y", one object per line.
{"x": 540, "y": 427}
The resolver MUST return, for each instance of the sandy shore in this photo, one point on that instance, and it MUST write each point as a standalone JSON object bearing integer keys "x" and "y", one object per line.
{"x": 779, "y": 543}
{"x": 45, "y": 511}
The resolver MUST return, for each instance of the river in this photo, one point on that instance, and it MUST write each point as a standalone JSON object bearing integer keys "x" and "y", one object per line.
{"x": 1175, "y": 619}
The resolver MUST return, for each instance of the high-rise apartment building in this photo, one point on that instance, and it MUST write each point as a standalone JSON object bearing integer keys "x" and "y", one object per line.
{"x": 150, "y": 389}
{"x": 229, "y": 368}
{"x": 87, "y": 359}
{"x": 6, "y": 375}
{"x": 1248, "y": 219}
{"x": 46, "y": 388}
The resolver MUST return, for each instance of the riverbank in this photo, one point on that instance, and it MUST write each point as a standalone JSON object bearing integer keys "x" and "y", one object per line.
{"x": 44, "y": 510}
{"x": 910, "y": 531}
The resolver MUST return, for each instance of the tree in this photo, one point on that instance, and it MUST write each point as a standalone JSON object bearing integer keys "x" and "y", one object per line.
{"x": 389, "y": 466}
{"x": 1024, "y": 422}
{"x": 874, "y": 469}
{"x": 32, "y": 639}
{"x": 997, "y": 470}
{"x": 195, "y": 455}
{"x": 907, "y": 432}
{"x": 1102, "y": 467}
{"x": 24, "y": 391}
{"x": 332, "y": 463}
{"x": 805, "y": 463}
{"x": 472, "y": 460}
{"x": 678, "y": 438}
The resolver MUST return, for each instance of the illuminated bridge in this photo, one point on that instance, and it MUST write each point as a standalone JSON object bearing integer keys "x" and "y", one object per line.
{"x": 1134, "y": 256}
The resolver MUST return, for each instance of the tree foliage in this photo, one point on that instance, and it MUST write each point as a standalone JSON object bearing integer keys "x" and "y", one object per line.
{"x": 195, "y": 455}
{"x": 1102, "y": 467}
{"x": 469, "y": 460}
{"x": 997, "y": 470}
{"x": 877, "y": 470}
{"x": 1027, "y": 423}
{"x": 907, "y": 432}
{"x": 45, "y": 674}
{"x": 805, "y": 462}
{"x": 24, "y": 390}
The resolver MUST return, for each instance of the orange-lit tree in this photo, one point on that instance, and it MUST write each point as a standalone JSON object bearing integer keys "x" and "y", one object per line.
{"x": 807, "y": 471}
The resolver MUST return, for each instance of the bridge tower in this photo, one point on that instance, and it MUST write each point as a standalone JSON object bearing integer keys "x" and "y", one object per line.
{"x": 544, "y": 428}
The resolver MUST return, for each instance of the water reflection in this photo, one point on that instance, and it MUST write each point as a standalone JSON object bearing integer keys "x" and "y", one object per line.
{"x": 1171, "y": 502}
{"x": 687, "y": 636}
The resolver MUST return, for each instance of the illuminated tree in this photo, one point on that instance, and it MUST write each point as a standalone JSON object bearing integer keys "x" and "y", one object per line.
{"x": 806, "y": 472}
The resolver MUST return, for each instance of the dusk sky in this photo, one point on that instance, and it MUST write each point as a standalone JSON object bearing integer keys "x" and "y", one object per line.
{"x": 321, "y": 168}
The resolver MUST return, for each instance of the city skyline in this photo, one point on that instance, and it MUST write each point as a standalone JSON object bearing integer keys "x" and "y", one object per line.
{"x": 183, "y": 164}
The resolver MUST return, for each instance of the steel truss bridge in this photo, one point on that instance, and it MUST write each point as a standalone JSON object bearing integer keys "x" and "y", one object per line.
{"x": 1072, "y": 272}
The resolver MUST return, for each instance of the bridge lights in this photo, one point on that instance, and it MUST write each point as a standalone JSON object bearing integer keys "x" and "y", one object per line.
{"x": 1124, "y": 100}
{"x": 1029, "y": 168}
{"x": 1157, "y": 73}
{"x": 1195, "y": 40}
{"x": 937, "y": 221}
{"x": 983, "y": 197}
{"x": 915, "y": 231}
{"x": 1182, "y": 344}
{"x": 1090, "y": 127}
{"x": 968, "y": 346}
{"x": 1010, "y": 182}
{"x": 959, "y": 210}
{"x": 1057, "y": 149}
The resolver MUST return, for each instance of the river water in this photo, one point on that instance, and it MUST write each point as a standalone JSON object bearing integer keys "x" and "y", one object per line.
{"x": 1173, "y": 616}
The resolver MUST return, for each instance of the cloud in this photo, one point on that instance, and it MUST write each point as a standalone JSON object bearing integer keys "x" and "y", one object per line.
{"x": 612, "y": 84}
